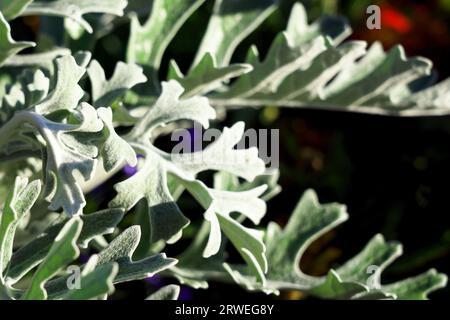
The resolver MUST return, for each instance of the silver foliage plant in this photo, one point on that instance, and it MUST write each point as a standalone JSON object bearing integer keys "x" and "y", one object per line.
{"x": 59, "y": 114}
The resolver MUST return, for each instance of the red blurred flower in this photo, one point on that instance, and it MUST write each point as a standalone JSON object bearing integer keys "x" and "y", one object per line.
{"x": 394, "y": 19}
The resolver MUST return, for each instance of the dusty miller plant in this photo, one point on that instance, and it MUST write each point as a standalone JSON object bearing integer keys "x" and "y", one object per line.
{"x": 59, "y": 115}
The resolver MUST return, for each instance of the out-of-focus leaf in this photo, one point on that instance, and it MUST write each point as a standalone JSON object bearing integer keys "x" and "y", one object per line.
{"x": 148, "y": 42}
{"x": 94, "y": 282}
{"x": 231, "y": 22}
{"x": 13, "y": 8}
{"x": 9, "y": 47}
{"x": 75, "y": 9}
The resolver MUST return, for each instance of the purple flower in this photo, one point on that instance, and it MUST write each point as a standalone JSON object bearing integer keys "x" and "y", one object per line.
{"x": 84, "y": 257}
{"x": 130, "y": 170}
{"x": 185, "y": 294}
{"x": 155, "y": 280}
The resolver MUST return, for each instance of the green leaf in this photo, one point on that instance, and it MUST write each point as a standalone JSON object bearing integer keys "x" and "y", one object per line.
{"x": 150, "y": 182}
{"x": 106, "y": 92}
{"x": 121, "y": 250}
{"x": 281, "y": 60}
{"x": 19, "y": 202}
{"x": 227, "y": 182}
{"x": 13, "y": 8}
{"x": 30, "y": 255}
{"x": 376, "y": 253}
{"x": 148, "y": 42}
{"x": 206, "y": 76}
{"x": 417, "y": 288}
{"x": 94, "y": 282}
{"x": 63, "y": 251}
{"x": 435, "y": 99}
{"x": 170, "y": 292}
{"x": 219, "y": 205}
{"x": 249, "y": 244}
{"x": 9, "y": 47}
{"x": 335, "y": 288}
{"x": 36, "y": 86}
{"x": 308, "y": 67}
{"x": 74, "y": 29}
{"x": 292, "y": 50}
{"x": 231, "y": 22}
{"x": 75, "y": 9}
{"x": 284, "y": 248}
{"x": 359, "y": 278}
{"x": 309, "y": 84}
{"x": 394, "y": 69}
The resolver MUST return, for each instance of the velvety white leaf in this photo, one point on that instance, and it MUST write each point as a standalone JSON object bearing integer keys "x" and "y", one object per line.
{"x": 115, "y": 150}
{"x": 221, "y": 155}
{"x": 66, "y": 93}
{"x": 105, "y": 92}
{"x": 170, "y": 107}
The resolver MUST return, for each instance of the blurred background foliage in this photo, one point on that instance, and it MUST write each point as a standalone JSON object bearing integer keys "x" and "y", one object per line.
{"x": 392, "y": 173}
